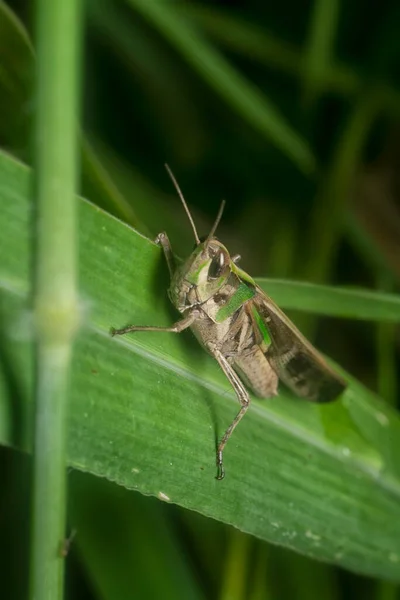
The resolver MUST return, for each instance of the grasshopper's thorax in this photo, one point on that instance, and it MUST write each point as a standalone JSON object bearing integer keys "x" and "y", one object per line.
{"x": 201, "y": 276}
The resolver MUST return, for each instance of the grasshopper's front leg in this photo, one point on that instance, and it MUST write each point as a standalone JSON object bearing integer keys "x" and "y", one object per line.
{"x": 163, "y": 241}
{"x": 187, "y": 321}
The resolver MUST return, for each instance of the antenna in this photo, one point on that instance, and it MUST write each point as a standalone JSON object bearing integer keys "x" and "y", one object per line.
{"x": 185, "y": 206}
{"x": 217, "y": 220}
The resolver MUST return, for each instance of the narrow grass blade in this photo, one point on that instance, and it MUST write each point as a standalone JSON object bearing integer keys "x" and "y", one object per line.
{"x": 237, "y": 92}
{"x": 16, "y": 82}
{"x": 125, "y": 541}
{"x": 319, "y": 52}
{"x": 348, "y": 303}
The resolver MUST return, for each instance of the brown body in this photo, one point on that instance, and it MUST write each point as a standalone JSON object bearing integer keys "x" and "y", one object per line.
{"x": 260, "y": 363}
{"x": 253, "y": 342}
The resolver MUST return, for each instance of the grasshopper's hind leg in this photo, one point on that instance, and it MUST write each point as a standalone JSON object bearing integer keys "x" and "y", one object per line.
{"x": 244, "y": 400}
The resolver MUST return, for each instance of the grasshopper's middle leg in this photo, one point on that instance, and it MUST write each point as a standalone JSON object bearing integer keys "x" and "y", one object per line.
{"x": 244, "y": 400}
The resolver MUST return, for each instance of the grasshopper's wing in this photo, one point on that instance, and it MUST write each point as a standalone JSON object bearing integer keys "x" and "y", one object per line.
{"x": 294, "y": 359}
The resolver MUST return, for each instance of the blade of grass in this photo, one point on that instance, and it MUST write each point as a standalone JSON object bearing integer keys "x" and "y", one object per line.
{"x": 306, "y": 580}
{"x": 152, "y": 205}
{"x": 16, "y": 79}
{"x": 319, "y": 52}
{"x": 237, "y": 562}
{"x": 161, "y": 76}
{"x": 244, "y": 37}
{"x": 386, "y": 591}
{"x": 16, "y": 98}
{"x": 261, "y": 584}
{"x": 55, "y": 307}
{"x": 146, "y": 410}
{"x": 126, "y": 541}
{"x": 332, "y": 301}
{"x": 370, "y": 252}
{"x": 206, "y": 539}
{"x": 237, "y": 91}
{"x": 251, "y": 40}
{"x": 97, "y": 179}
{"x": 328, "y": 218}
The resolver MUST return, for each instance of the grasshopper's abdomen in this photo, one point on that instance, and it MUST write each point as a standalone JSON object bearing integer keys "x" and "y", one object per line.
{"x": 256, "y": 373}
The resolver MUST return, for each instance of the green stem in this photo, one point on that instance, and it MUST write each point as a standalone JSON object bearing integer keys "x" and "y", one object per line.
{"x": 236, "y": 567}
{"x": 55, "y": 296}
{"x": 261, "y": 584}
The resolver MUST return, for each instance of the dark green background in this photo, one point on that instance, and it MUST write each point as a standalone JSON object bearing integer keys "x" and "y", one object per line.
{"x": 327, "y": 212}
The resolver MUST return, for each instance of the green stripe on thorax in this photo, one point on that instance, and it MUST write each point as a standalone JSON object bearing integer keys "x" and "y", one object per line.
{"x": 194, "y": 276}
{"x": 238, "y": 298}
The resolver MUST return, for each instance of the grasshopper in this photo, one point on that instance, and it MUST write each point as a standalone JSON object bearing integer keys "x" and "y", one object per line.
{"x": 252, "y": 340}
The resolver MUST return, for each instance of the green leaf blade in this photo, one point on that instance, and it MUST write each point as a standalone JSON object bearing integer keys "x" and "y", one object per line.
{"x": 146, "y": 410}
{"x": 340, "y": 302}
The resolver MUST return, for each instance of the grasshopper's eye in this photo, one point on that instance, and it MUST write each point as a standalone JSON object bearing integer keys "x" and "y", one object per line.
{"x": 217, "y": 266}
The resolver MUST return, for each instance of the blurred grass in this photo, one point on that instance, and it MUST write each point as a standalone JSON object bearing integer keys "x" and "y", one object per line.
{"x": 135, "y": 523}
{"x": 234, "y": 576}
{"x": 16, "y": 79}
{"x": 319, "y": 48}
{"x": 53, "y": 282}
{"x": 326, "y": 227}
{"x": 145, "y": 105}
{"x": 247, "y": 38}
{"x": 225, "y": 80}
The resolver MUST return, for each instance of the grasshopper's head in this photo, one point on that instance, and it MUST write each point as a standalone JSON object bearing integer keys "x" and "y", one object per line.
{"x": 207, "y": 268}
{"x": 202, "y": 274}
